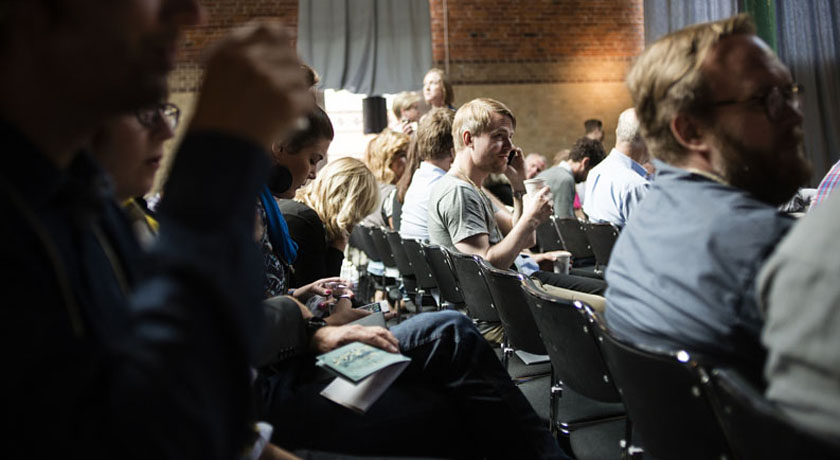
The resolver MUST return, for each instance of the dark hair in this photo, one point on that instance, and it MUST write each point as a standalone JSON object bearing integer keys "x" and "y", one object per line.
{"x": 592, "y": 124}
{"x": 587, "y": 148}
{"x": 318, "y": 127}
{"x": 432, "y": 141}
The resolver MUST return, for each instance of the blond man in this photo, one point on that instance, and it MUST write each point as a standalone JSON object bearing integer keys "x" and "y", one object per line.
{"x": 462, "y": 218}
{"x": 721, "y": 113}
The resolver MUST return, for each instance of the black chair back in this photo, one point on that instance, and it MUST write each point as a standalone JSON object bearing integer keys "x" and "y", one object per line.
{"x": 756, "y": 428}
{"x": 443, "y": 273}
{"x": 398, "y": 251}
{"x": 573, "y": 235}
{"x": 573, "y": 351}
{"x": 473, "y": 287}
{"x": 520, "y": 330}
{"x": 664, "y": 396}
{"x": 360, "y": 238}
{"x": 377, "y": 235}
{"x": 422, "y": 272}
{"x": 602, "y": 238}
{"x": 548, "y": 239}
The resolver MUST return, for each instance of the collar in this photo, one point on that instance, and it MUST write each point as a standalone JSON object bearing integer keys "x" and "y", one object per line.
{"x": 424, "y": 165}
{"x": 629, "y": 163}
{"x": 39, "y": 180}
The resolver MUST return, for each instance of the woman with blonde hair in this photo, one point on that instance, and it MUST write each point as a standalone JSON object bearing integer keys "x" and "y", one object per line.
{"x": 322, "y": 215}
{"x": 386, "y": 157}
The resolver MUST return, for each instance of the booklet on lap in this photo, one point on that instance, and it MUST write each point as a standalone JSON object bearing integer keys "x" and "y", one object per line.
{"x": 363, "y": 374}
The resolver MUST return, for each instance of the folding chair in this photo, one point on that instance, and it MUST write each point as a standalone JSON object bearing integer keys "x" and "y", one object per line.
{"x": 426, "y": 284}
{"x": 602, "y": 238}
{"x": 573, "y": 235}
{"x": 585, "y": 403}
{"x": 665, "y": 398}
{"x": 440, "y": 267}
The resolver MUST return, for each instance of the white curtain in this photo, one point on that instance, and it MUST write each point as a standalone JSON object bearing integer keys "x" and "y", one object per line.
{"x": 366, "y": 46}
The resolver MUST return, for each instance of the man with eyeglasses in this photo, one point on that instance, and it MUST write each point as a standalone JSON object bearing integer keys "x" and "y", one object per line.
{"x": 130, "y": 149}
{"x": 720, "y": 113}
{"x": 111, "y": 353}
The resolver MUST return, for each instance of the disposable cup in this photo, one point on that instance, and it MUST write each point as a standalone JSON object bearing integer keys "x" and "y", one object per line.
{"x": 532, "y": 186}
{"x": 561, "y": 263}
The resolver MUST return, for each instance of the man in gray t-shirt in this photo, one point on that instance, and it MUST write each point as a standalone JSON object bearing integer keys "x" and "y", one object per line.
{"x": 458, "y": 212}
{"x": 584, "y": 155}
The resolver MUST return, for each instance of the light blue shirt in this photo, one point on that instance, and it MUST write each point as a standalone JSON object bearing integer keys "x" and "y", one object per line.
{"x": 614, "y": 188}
{"x": 415, "y": 209}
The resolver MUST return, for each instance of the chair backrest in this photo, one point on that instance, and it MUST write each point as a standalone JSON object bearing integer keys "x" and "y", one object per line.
{"x": 473, "y": 287}
{"x": 520, "y": 330}
{"x": 664, "y": 396}
{"x": 443, "y": 273}
{"x": 360, "y": 238}
{"x": 422, "y": 272}
{"x": 756, "y": 428}
{"x": 573, "y": 234}
{"x": 574, "y": 353}
{"x": 602, "y": 238}
{"x": 377, "y": 235}
{"x": 400, "y": 256}
{"x": 548, "y": 239}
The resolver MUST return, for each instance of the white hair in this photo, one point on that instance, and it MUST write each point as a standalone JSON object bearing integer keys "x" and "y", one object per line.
{"x": 628, "y": 127}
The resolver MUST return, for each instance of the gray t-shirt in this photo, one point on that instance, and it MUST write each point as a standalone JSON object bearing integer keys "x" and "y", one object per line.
{"x": 458, "y": 211}
{"x": 562, "y": 185}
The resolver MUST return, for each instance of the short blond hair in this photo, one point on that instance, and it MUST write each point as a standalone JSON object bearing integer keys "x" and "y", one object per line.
{"x": 476, "y": 117}
{"x": 404, "y": 101}
{"x": 382, "y": 150}
{"x": 343, "y": 194}
{"x": 667, "y": 79}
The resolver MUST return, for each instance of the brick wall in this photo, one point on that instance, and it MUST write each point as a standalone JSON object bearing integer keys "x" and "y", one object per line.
{"x": 554, "y": 62}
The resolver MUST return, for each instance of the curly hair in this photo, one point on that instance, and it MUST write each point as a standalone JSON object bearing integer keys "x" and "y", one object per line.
{"x": 382, "y": 150}
{"x": 343, "y": 194}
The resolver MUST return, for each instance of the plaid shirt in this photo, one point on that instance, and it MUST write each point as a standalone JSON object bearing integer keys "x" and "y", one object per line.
{"x": 829, "y": 183}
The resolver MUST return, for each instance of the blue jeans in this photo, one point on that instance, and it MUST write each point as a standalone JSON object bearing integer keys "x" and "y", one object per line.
{"x": 454, "y": 400}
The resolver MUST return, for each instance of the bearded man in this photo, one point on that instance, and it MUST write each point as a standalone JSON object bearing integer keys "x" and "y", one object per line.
{"x": 720, "y": 113}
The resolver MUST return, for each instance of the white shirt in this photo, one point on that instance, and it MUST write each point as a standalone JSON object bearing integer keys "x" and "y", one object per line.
{"x": 613, "y": 189}
{"x": 413, "y": 221}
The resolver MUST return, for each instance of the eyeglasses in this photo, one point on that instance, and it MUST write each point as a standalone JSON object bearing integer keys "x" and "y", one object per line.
{"x": 775, "y": 100}
{"x": 163, "y": 112}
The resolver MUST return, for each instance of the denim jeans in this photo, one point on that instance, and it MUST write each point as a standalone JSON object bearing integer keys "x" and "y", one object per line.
{"x": 454, "y": 400}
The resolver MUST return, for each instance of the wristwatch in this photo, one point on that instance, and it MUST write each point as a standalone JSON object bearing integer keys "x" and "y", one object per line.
{"x": 519, "y": 193}
{"x": 313, "y": 324}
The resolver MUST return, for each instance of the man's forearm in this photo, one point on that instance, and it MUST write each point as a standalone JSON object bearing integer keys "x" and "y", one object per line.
{"x": 505, "y": 252}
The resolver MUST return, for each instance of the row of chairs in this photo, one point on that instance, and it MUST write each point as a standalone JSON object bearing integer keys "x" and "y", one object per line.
{"x": 588, "y": 242}
{"x": 606, "y": 394}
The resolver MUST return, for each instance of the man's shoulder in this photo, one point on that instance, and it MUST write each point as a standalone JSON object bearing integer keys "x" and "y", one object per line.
{"x": 557, "y": 175}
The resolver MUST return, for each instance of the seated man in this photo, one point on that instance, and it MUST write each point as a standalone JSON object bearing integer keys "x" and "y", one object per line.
{"x": 534, "y": 164}
{"x": 584, "y": 155}
{"x": 728, "y": 134}
{"x": 433, "y": 146}
{"x": 616, "y": 186}
{"x": 800, "y": 296}
{"x": 461, "y": 217}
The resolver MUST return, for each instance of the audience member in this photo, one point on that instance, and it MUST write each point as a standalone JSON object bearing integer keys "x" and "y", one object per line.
{"x": 150, "y": 363}
{"x": 437, "y": 91}
{"x": 721, "y": 112}
{"x": 130, "y": 149}
{"x": 561, "y": 179}
{"x": 294, "y": 161}
{"x": 433, "y": 149}
{"x": 385, "y": 155}
{"x": 406, "y": 108}
{"x": 323, "y": 214}
{"x": 615, "y": 187}
{"x": 462, "y": 218}
{"x": 534, "y": 164}
{"x": 594, "y": 129}
{"x": 800, "y": 296}
{"x": 827, "y": 185}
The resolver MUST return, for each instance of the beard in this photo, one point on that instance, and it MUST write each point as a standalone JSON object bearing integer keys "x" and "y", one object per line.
{"x": 772, "y": 176}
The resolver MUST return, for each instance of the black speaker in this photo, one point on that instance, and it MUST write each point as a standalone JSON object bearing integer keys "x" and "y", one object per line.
{"x": 374, "y": 114}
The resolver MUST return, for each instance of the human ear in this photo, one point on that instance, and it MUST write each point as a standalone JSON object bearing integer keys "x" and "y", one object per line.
{"x": 689, "y": 133}
{"x": 466, "y": 136}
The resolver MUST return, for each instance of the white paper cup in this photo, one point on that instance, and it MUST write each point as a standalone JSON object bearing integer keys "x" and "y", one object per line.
{"x": 561, "y": 264}
{"x": 532, "y": 186}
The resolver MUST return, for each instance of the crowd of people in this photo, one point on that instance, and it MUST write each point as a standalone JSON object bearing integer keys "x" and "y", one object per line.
{"x": 189, "y": 329}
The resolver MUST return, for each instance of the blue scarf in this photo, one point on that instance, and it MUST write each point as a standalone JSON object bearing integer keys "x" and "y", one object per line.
{"x": 278, "y": 231}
